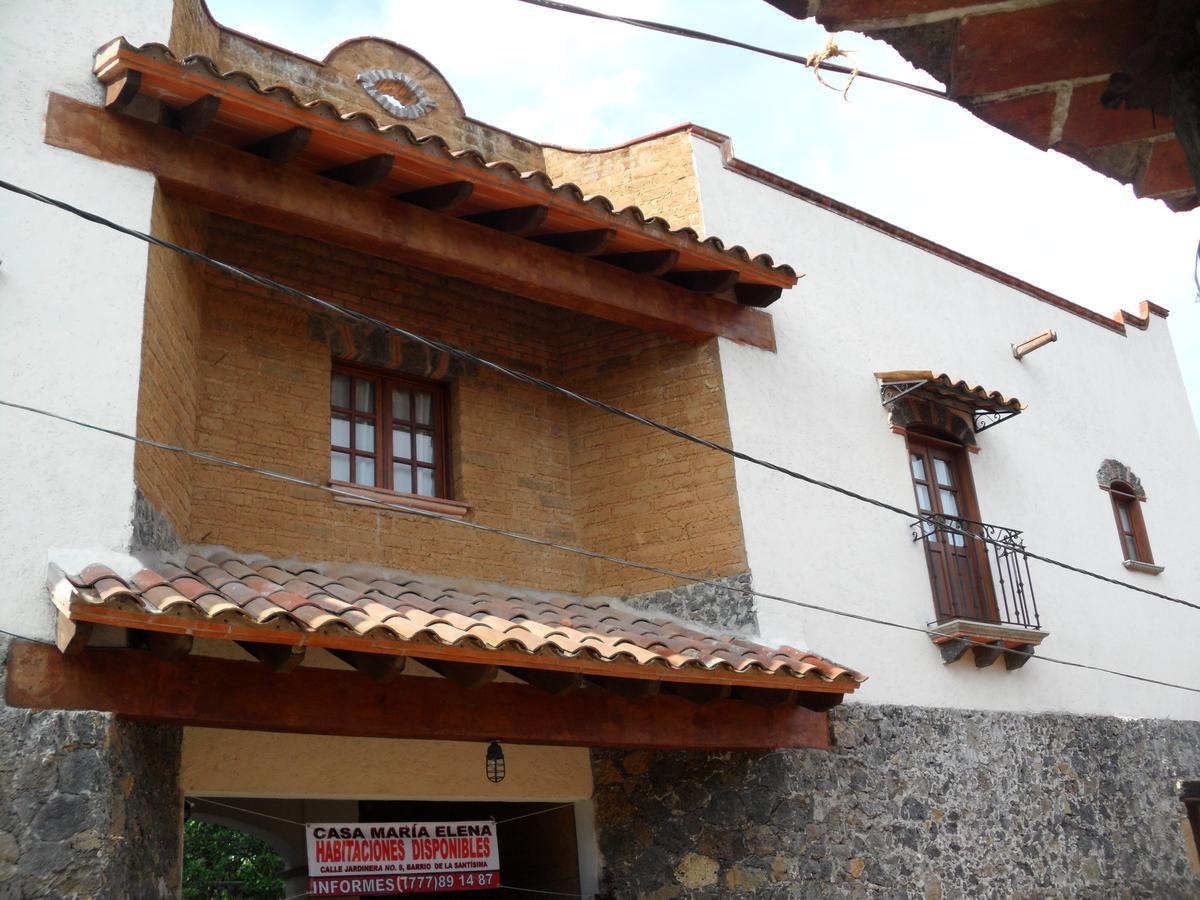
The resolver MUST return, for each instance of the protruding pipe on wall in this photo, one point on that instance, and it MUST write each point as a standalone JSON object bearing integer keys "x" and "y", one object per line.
{"x": 1040, "y": 340}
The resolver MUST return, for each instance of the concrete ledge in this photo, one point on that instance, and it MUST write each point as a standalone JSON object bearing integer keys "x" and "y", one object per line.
{"x": 990, "y": 631}
{"x": 1136, "y": 565}
{"x": 988, "y": 640}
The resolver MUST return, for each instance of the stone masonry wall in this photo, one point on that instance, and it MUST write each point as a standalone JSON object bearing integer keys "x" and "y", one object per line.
{"x": 90, "y": 804}
{"x": 911, "y": 802}
{"x": 716, "y": 607}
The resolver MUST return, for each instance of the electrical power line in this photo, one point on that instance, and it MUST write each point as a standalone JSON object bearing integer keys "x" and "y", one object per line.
{"x": 815, "y": 62}
{"x": 566, "y": 548}
{"x": 543, "y": 384}
{"x": 25, "y": 637}
{"x": 247, "y": 811}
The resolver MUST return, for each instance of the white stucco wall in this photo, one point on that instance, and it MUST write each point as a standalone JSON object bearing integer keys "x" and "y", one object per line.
{"x": 872, "y": 303}
{"x": 71, "y": 299}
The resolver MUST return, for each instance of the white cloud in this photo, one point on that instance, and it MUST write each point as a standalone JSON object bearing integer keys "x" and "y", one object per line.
{"x": 584, "y": 113}
{"x": 924, "y": 164}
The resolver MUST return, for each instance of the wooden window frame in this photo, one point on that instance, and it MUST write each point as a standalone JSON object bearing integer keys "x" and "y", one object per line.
{"x": 382, "y": 418}
{"x": 919, "y": 442}
{"x": 1123, "y": 496}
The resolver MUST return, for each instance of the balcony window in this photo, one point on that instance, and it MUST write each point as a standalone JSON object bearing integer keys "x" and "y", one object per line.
{"x": 979, "y": 573}
{"x": 958, "y": 563}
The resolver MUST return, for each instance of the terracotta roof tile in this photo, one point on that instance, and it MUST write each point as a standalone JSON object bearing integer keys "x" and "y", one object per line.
{"x": 941, "y": 383}
{"x": 214, "y": 604}
{"x": 287, "y": 594}
{"x": 161, "y": 597}
{"x": 90, "y": 575}
{"x": 263, "y": 610}
{"x": 201, "y": 69}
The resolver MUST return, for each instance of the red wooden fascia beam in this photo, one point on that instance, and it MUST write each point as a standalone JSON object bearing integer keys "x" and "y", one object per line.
{"x": 219, "y": 693}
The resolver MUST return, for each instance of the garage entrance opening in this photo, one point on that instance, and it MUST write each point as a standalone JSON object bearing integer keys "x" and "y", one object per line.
{"x": 538, "y": 848}
{"x": 538, "y": 844}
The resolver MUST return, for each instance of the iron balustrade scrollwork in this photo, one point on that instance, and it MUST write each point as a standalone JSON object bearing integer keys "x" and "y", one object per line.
{"x": 978, "y": 571}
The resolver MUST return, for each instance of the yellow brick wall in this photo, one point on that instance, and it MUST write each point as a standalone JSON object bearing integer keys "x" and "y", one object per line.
{"x": 192, "y": 30}
{"x": 639, "y": 493}
{"x": 656, "y": 175}
{"x": 525, "y": 459}
{"x": 265, "y": 400}
{"x": 170, "y": 336}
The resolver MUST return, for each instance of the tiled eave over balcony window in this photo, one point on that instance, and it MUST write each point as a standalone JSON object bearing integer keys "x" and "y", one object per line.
{"x": 979, "y": 573}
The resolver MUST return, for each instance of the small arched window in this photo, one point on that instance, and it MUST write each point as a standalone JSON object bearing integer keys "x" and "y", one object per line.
{"x": 1130, "y": 525}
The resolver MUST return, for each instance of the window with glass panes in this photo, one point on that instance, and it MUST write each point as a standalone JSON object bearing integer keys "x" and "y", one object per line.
{"x": 1134, "y": 542}
{"x": 958, "y": 565}
{"x": 387, "y": 432}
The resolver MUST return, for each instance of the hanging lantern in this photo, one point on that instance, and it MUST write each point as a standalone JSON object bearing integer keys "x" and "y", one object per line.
{"x": 495, "y": 762}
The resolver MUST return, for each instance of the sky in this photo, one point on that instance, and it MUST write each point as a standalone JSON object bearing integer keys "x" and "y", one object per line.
{"x": 922, "y": 163}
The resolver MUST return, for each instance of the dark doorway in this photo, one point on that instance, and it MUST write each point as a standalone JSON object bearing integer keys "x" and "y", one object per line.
{"x": 537, "y": 840}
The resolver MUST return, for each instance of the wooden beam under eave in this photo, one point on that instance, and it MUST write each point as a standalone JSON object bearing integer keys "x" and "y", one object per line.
{"x": 763, "y": 697}
{"x": 708, "y": 281}
{"x": 551, "y": 682}
{"x": 699, "y": 693}
{"x": 283, "y": 147}
{"x": 220, "y": 693}
{"x": 125, "y": 95}
{"x": 72, "y": 636}
{"x": 195, "y": 118}
{"x": 587, "y": 243}
{"x": 162, "y": 645}
{"x": 467, "y": 675}
{"x": 362, "y": 173}
{"x": 756, "y": 295}
{"x": 819, "y": 702}
{"x": 439, "y": 197}
{"x": 230, "y": 182}
{"x": 119, "y": 94}
{"x": 378, "y": 666}
{"x": 629, "y": 688}
{"x": 1185, "y": 99}
{"x": 648, "y": 262}
{"x": 280, "y": 658}
{"x": 518, "y": 220}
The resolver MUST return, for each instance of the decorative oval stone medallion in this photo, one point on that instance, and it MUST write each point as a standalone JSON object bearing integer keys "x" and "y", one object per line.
{"x": 398, "y": 93}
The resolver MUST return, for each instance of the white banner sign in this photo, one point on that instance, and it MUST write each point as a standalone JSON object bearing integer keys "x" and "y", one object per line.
{"x": 362, "y": 858}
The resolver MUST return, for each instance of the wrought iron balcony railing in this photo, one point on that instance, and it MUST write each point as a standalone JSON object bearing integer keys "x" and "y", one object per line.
{"x": 979, "y": 572}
